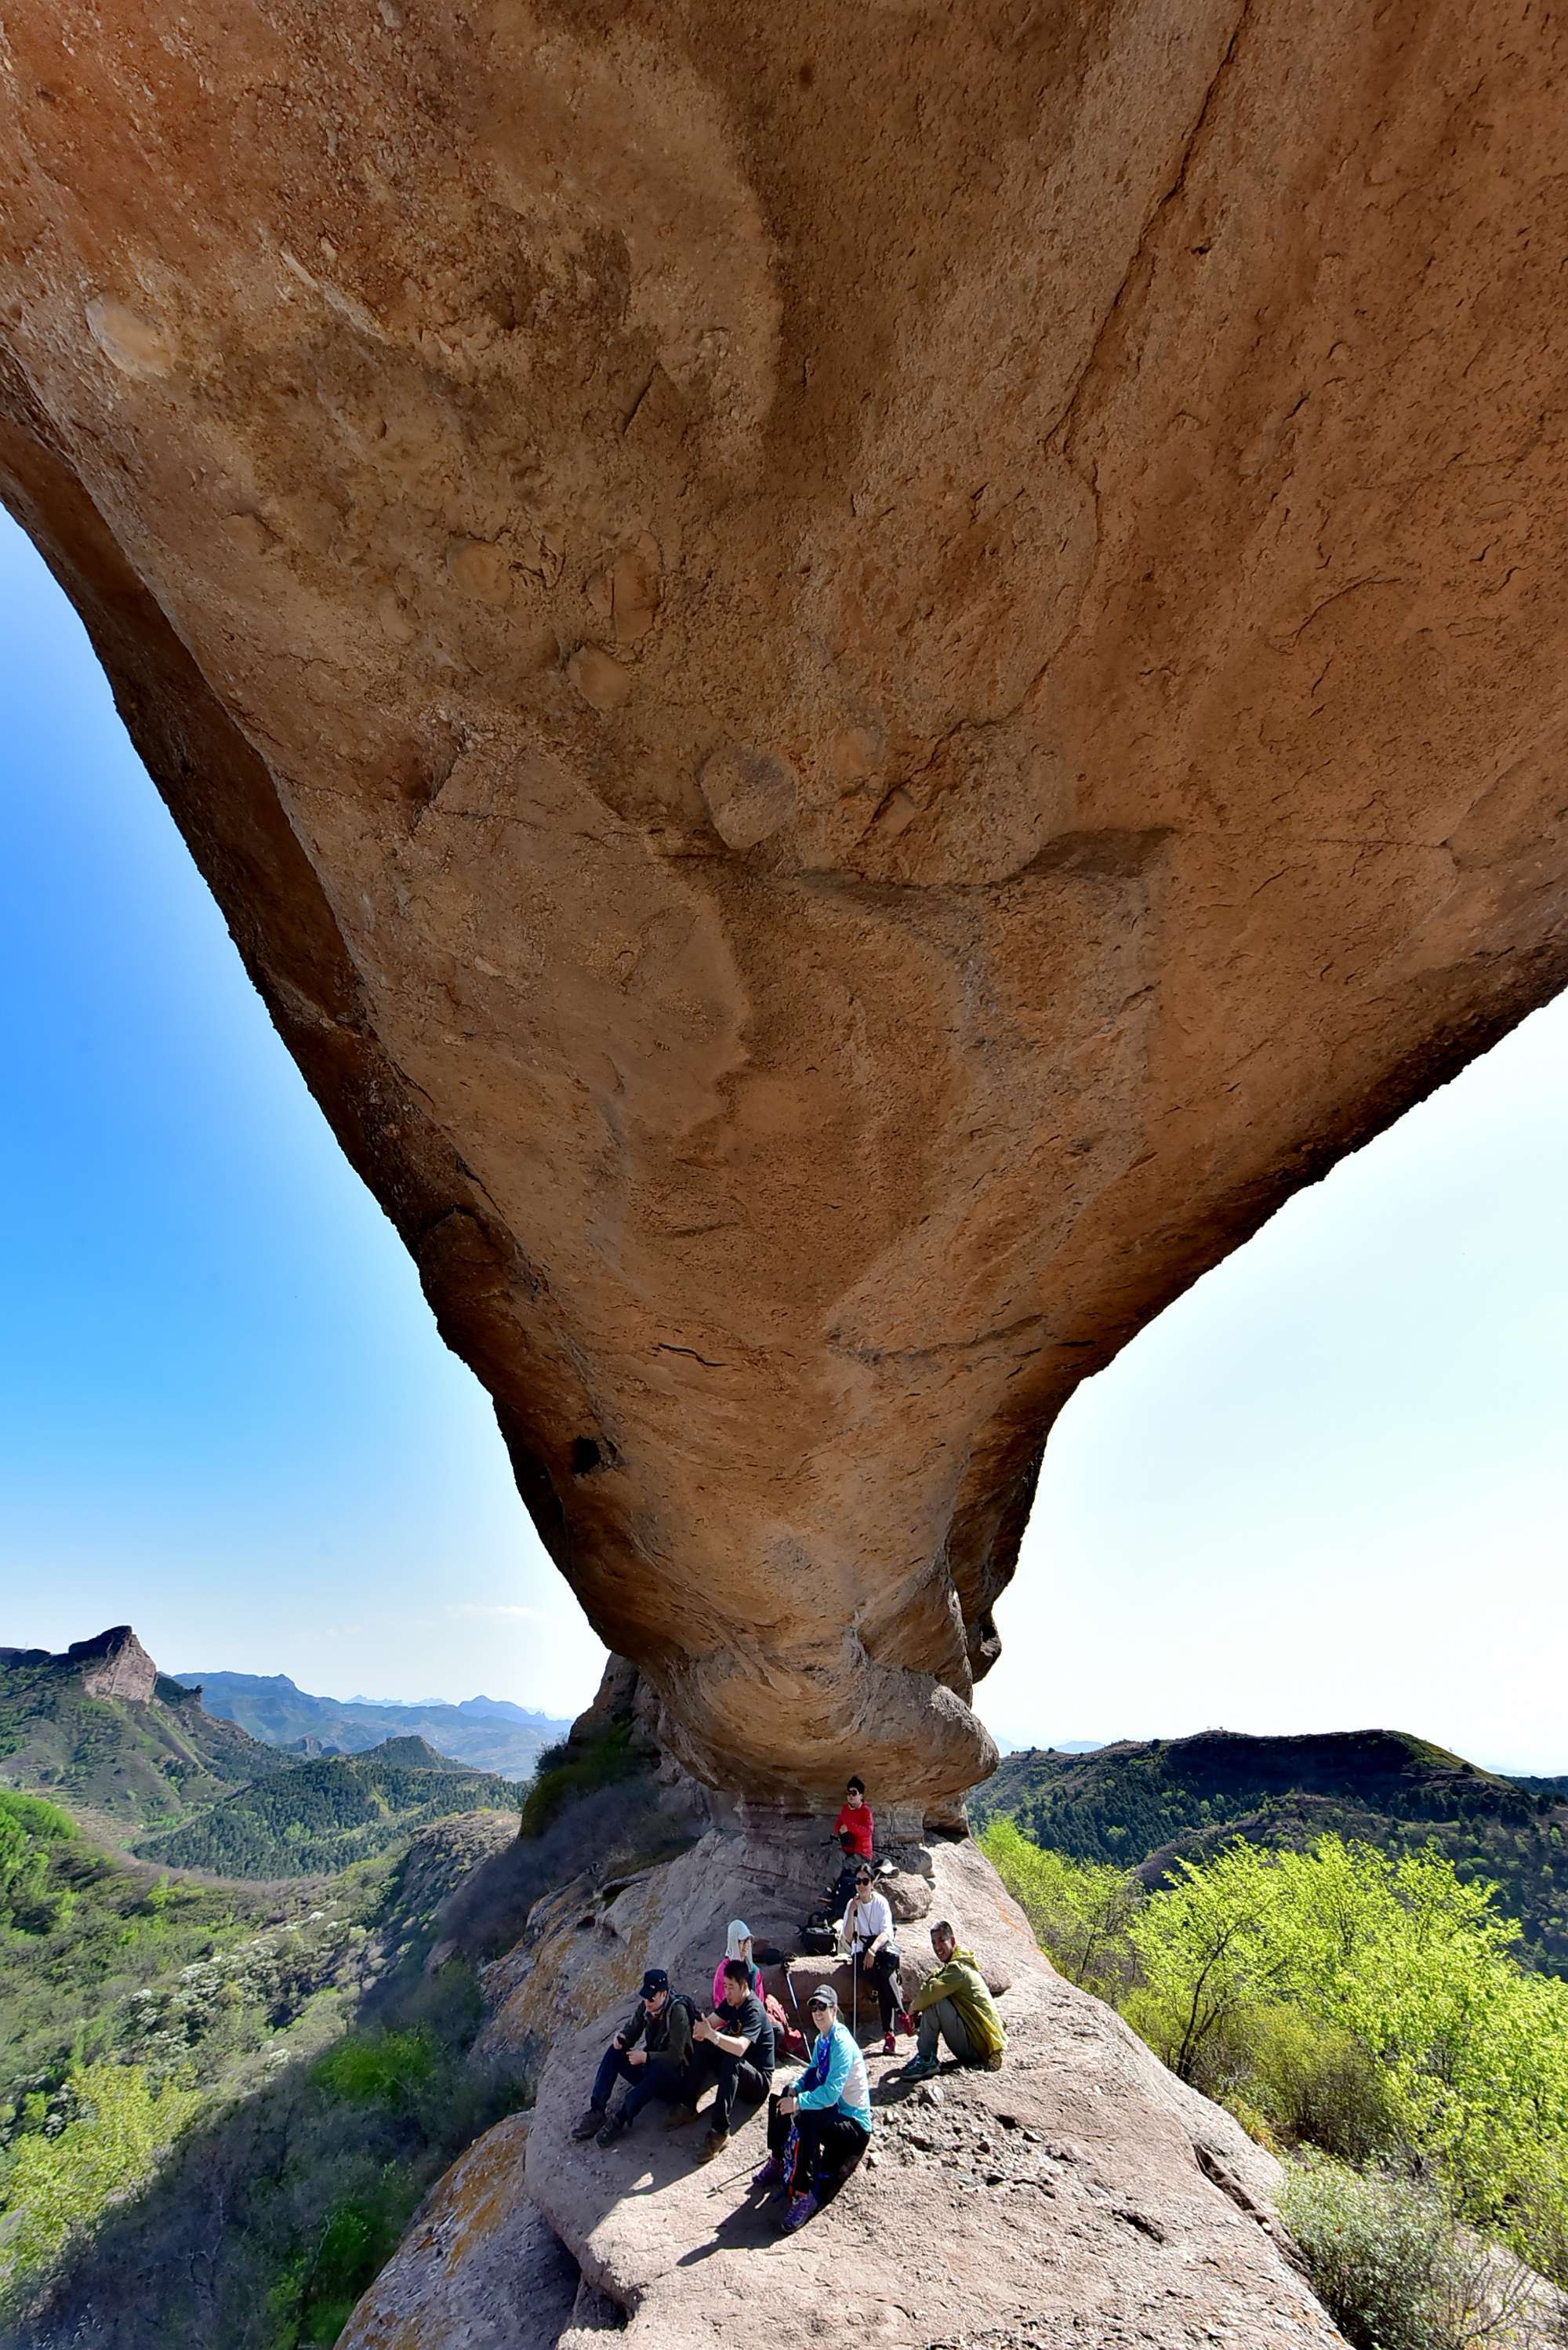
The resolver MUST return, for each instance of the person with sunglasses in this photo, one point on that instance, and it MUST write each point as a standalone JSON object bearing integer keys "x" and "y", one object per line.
{"x": 866, "y": 1932}
{"x": 733, "y": 2047}
{"x": 854, "y": 1826}
{"x": 819, "y": 2126}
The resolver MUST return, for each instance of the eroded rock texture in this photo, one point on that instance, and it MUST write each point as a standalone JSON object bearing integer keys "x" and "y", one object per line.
{"x": 854, "y": 678}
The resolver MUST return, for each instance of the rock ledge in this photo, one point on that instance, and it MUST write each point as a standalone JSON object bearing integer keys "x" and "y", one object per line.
{"x": 1082, "y": 2195}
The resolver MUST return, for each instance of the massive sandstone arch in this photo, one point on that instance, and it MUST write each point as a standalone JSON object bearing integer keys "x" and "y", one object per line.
{"x": 855, "y": 679}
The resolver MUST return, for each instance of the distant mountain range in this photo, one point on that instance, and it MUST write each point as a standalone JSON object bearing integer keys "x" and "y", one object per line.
{"x": 490, "y": 1733}
{"x": 1146, "y": 1805}
{"x": 140, "y": 1760}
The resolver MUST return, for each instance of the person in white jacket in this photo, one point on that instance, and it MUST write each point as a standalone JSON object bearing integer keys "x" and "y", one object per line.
{"x": 865, "y": 1935}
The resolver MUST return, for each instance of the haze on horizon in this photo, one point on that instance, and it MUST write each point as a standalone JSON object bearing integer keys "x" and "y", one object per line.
{"x": 1327, "y": 1490}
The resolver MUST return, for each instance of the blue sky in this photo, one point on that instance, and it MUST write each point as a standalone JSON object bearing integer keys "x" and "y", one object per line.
{"x": 1327, "y": 1489}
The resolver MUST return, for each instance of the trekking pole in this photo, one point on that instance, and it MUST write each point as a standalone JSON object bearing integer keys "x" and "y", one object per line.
{"x": 717, "y": 2188}
{"x": 799, "y": 2019}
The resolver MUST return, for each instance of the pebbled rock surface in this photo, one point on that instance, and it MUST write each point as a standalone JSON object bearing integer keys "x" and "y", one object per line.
{"x": 1079, "y": 2195}
{"x": 852, "y": 694}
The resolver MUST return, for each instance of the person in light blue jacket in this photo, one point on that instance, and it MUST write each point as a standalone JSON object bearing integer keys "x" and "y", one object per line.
{"x": 819, "y": 2126}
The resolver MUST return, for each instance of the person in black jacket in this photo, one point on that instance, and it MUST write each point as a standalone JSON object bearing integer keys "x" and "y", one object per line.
{"x": 734, "y": 2046}
{"x": 650, "y": 2053}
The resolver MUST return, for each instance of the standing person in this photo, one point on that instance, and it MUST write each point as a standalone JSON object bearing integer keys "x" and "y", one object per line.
{"x": 734, "y": 2047}
{"x": 955, "y": 2004}
{"x": 820, "y": 2124}
{"x": 738, "y": 1945}
{"x": 650, "y": 2053}
{"x": 854, "y": 1826}
{"x": 866, "y": 1928}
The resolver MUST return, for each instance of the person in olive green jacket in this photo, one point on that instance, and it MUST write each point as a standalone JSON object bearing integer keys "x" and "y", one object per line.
{"x": 954, "y": 2005}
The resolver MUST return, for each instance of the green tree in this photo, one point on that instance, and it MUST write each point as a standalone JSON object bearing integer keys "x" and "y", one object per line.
{"x": 1080, "y": 1911}
{"x": 59, "y": 2184}
{"x": 30, "y": 1830}
{"x": 1208, "y": 1949}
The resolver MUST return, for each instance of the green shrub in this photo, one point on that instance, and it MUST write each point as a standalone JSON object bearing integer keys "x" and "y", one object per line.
{"x": 357, "y": 2237}
{"x": 1370, "y": 2004}
{"x": 385, "y": 2067}
{"x": 1080, "y": 1911}
{"x": 1395, "y": 2270}
{"x": 1314, "y": 2085}
{"x": 567, "y": 1771}
{"x": 1397, "y": 1955}
{"x": 61, "y": 2184}
{"x": 30, "y": 1829}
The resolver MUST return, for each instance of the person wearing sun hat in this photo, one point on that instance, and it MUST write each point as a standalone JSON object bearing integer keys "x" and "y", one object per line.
{"x": 738, "y": 1945}
{"x": 820, "y": 2126}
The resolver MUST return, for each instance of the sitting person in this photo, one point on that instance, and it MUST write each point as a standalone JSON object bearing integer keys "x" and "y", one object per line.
{"x": 854, "y": 1825}
{"x": 844, "y": 1883}
{"x": 654, "y": 2069}
{"x": 820, "y": 2128}
{"x": 866, "y": 1932}
{"x": 954, "y": 2005}
{"x": 737, "y": 1946}
{"x": 734, "y": 2047}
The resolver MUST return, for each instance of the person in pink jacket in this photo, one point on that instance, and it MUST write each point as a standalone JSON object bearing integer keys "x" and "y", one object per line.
{"x": 738, "y": 1946}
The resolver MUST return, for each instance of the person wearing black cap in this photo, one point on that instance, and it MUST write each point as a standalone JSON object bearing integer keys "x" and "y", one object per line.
{"x": 650, "y": 2053}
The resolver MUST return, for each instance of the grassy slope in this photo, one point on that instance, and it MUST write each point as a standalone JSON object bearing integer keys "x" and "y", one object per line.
{"x": 114, "y": 1963}
{"x": 221, "y": 1991}
{"x": 318, "y": 1817}
{"x": 129, "y": 1764}
{"x": 1142, "y": 1807}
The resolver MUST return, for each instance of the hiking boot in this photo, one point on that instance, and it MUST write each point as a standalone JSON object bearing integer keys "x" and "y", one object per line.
{"x": 889, "y": 2045}
{"x": 714, "y": 2142}
{"x": 801, "y": 2208}
{"x": 906, "y": 2023}
{"x": 920, "y": 2068}
{"x": 993, "y": 2061}
{"x": 616, "y": 2126}
{"x": 770, "y": 2175}
{"x": 679, "y": 2116}
{"x": 590, "y": 2123}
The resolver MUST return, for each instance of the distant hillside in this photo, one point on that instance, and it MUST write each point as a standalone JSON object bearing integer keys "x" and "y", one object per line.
{"x": 314, "y": 1818}
{"x": 1143, "y": 1806}
{"x": 208, "y": 2010}
{"x": 489, "y": 1734}
{"x": 98, "y": 1728}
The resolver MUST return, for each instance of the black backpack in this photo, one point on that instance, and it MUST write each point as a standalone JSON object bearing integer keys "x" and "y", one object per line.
{"x": 818, "y": 1936}
{"x": 677, "y": 1999}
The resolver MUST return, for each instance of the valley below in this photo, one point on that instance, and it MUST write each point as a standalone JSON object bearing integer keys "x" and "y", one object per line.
{"x": 269, "y": 2039}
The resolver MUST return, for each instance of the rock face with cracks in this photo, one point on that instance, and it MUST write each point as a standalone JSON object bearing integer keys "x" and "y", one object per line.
{"x": 855, "y": 683}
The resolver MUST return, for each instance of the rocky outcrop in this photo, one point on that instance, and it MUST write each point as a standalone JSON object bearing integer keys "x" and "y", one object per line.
{"x": 853, "y": 696}
{"x": 114, "y": 1664}
{"x": 99, "y": 1727}
{"x": 1081, "y": 2194}
{"x": 479, "y": 2270}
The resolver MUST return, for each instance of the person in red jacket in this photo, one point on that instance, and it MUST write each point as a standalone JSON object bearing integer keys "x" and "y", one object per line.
{"x": 854, "y": 1824}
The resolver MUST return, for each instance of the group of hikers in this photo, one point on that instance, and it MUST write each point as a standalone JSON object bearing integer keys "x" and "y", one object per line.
{"x": 819, "y": 2125}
